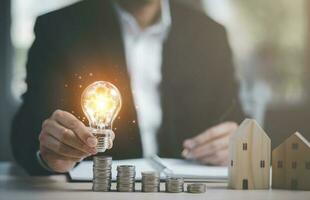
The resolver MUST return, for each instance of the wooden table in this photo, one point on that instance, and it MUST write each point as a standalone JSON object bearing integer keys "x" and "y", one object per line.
{"x": 15, "y": 185}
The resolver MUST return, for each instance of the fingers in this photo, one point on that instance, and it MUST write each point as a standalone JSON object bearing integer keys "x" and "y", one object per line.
{"x": 211, "y": 134}
{"x": 60, "y": 148}
{"x": 209, "y": 149}
{"x": 71, "y": 122}
{"x": 66, "y": 136}
{"x": 220, "y": 158}
{"x": 110, "y": 145}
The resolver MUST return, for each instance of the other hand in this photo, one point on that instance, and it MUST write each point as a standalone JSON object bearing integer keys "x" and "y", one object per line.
{"x": 211, "y": 146}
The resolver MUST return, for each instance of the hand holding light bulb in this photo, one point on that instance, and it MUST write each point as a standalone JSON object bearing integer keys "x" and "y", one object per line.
{"x": 65, "y": 140}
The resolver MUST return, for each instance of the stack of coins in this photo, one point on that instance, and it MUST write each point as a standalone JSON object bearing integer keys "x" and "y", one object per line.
{"x": 102, "y": 173}
{"x": 196, "y": 188}
{"x": 150, "y": 181}
{"x": 126, "y": 178}
{"x": 174, "y": 184}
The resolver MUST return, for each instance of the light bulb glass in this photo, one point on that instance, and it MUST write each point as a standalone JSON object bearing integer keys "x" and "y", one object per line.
{"x": 101, "y": 102}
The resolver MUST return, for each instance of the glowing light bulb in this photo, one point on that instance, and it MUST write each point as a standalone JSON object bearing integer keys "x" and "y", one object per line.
{"x": 101, "y": 102}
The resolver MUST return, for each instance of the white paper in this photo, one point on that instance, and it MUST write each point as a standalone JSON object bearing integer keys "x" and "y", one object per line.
{"x": 189, "y": 170}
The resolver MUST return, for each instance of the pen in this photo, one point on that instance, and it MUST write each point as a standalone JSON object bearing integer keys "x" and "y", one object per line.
{"x": 162, "y": 167}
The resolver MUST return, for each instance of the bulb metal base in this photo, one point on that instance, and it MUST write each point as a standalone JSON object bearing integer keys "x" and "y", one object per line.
{"x": 104, "y": 137}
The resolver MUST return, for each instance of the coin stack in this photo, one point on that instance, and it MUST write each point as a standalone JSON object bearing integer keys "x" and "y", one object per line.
{"x": 150, "y": 182}
{"x": 174, "y": 184}
{"x": 126, "y": 178}
{"x": 102, "y": 173}
{"x": 196, "y": 188}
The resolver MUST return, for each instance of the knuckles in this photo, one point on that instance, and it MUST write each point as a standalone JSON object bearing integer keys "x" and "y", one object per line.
{"x": 42, "y": 137}
{"x": 45, "y": 123}
{"x": 64, "y": 134}
{"x": 74, "y": 124}
{"x": 57, "y": 114}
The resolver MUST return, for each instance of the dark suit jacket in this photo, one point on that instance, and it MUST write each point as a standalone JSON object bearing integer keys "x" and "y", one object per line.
{"x": 82, "y": 43}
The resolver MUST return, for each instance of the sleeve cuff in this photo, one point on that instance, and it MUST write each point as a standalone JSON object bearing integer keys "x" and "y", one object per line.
{"x": 43, "y": 163}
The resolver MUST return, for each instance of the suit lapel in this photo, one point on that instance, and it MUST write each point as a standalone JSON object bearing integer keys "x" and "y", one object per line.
{"x": 173, "y": 61}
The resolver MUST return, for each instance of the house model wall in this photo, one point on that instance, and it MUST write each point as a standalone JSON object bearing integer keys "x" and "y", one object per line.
{"x": 249, "y": 154}
{"x": 291, "y": 164}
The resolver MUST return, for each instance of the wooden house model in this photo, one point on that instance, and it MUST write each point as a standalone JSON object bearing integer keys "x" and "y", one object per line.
{"x": 249, "y": 154}
{"x": 291, "y": 164}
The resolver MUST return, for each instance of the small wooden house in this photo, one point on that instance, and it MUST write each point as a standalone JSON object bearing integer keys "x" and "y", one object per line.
{"x": 249, "y": 154}
{"x": 291, "y": 164}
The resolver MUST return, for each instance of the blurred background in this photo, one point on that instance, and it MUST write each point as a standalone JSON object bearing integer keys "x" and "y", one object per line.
{"x": 270, "y": 42}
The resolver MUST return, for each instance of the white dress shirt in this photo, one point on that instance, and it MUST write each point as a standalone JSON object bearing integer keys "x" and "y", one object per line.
{"x": 143, "y": 50}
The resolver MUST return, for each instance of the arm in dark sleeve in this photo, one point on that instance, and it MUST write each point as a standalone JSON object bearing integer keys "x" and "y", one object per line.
{"x": 38, "y": 103}
{"x": 229, "y": 104}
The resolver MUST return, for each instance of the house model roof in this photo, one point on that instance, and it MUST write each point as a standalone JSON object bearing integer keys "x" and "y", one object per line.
{"x": 299, "y": 137}
{"x": 249, "y": 126}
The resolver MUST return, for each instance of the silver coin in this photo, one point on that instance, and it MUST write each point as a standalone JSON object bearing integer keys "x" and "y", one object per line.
{"x": 196, "y": 188}
{"x": 125, "y": 178}
{"x": 174, "y": 184}
{"x": 150, "y": 181}
{"x": 102, "y": 173}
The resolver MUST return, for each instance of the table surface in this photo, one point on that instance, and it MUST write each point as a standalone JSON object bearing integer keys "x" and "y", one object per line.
{"x": 16, "y": 185}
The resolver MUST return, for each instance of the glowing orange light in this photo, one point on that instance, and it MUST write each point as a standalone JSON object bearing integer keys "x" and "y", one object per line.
{"x": 101, "y": 102}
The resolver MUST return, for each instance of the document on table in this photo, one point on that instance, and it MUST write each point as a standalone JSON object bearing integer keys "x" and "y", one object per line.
{"x": 190, "y": 171}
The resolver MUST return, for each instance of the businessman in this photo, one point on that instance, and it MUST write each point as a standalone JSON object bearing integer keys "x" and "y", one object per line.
{"x": 172, "y": 65}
